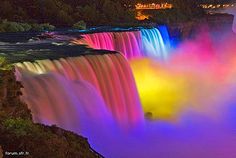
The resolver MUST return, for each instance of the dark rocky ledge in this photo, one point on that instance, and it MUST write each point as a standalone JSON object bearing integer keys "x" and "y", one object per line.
{"x": 20, "y": 136}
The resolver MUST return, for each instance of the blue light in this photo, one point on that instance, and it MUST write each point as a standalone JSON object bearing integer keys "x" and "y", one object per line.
{"x": 153, "y": 44}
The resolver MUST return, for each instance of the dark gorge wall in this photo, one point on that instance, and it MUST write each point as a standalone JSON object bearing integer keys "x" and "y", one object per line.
{"x": 212, "y": 23}
{"x": 18, "y": 132}
{"x": 219, "y": 22}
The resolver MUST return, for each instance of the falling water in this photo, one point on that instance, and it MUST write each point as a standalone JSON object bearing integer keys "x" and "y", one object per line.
{"x": 83, "y": 83}
{"x": 133, "y": 44}
{"x": 153, "y": 44}
{"x": 189, "y": 100}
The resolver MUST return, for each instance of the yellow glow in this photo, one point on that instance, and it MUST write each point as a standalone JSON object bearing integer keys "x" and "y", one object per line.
{"x": 161, "y": 93}
{"x": 168, "y": 90}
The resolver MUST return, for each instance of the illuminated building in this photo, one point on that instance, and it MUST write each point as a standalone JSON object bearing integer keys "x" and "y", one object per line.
{"x": 156, "y": 6}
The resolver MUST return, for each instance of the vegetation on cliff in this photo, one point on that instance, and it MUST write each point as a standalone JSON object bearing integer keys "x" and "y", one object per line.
{"x": 66, "y": 12}
{"x": 81, "y": 25}
{"x": 31, "y": 15}
{"x": 9, "y": 26}
{"x": 18, "y": 133}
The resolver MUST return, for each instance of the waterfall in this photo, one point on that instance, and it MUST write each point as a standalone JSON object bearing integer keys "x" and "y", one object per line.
{"x": 66, "y": 90}
{"x": 188, "y": 100}
{"x": 153, "y": 43}
{"x": 132, "y": 44}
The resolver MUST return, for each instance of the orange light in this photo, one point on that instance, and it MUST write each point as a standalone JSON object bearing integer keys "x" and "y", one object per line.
{"x": 140, "y": 16}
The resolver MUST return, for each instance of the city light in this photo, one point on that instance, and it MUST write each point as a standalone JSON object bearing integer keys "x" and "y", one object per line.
{"x": 156, "y": 6}
{"x": 216, "y": 6}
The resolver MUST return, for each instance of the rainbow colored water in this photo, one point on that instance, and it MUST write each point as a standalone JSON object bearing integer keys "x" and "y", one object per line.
{"x": 94, "y": 76}
{"x": 132, "y": 44}
{"x": 187, "y": 96}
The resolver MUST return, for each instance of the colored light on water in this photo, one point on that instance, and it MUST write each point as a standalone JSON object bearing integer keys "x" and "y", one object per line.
{"x": 115, "y": 85}
{"x": 193, "y": 87}
{"x": 132, "y": 44}
{"x": 160, "y": 91}
{"x": 195, "y": 77}
{"x": 153, "y": 44}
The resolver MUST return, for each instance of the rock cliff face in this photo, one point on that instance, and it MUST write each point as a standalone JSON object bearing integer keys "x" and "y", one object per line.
{"x": 214, "y": 23}
{"x": 10, "y": 103}
{"x": 20, "y": 136}
{"x": 219, "y": 22}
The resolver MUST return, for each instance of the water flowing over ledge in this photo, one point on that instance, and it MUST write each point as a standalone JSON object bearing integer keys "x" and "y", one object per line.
{"x": 132, "y": 44}
{"x": 189, "y": 97}
{"x": 74, "y": 89}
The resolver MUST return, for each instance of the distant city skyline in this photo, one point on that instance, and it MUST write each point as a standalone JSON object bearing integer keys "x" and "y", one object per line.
{"x": 200, "y": 1}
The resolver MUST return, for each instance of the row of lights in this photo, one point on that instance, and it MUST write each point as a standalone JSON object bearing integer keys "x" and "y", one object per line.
{"x": 212, "y": 6}
{"x": 153, "y": 6}
{"x": 141, "y": 6}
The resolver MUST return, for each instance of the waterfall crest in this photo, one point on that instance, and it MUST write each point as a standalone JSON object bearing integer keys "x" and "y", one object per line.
{"x": 132, "y": 44}
{"x": 91, "y": 83}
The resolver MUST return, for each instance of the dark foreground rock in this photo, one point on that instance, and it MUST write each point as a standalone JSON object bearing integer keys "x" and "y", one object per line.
{"x": 1, "y": 152}
{"x": 20, "y": 137}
